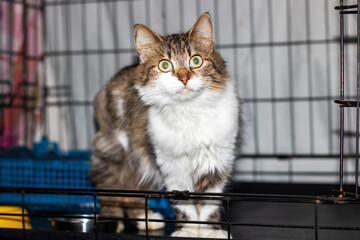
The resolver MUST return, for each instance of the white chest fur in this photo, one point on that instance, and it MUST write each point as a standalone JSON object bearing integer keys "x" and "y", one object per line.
{"x": 194, "y": 138}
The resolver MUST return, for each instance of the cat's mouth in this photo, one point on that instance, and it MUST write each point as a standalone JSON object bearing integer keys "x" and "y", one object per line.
{"x": 185, "y": 91}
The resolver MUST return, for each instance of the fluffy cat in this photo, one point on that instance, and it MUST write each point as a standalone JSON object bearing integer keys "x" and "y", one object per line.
{"x": 172, "y": 121}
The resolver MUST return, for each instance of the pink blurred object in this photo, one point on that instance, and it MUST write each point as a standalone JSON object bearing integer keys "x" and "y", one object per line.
{"x": 8, "y": 138}
{"x": 14, "y": 129}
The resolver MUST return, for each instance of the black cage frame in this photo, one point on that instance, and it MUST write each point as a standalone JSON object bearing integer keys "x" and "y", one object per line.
{"x": 339, "y": 197}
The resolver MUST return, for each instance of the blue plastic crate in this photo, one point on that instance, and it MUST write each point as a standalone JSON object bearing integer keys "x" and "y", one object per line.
{"x": 19, "y": 167}
{"x": 47, "y": 167}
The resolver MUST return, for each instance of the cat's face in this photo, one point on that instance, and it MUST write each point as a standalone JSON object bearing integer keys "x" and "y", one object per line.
{"x": 179, "y": 67}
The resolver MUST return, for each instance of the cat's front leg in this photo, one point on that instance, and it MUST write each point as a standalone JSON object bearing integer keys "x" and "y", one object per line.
{"x": 210, "y": 210}
{"x": 200, "y": 210}
{"x": 185, "y": 210}
{"x": 195, "y": 210}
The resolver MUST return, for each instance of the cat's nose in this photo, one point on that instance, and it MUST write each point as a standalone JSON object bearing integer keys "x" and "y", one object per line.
{"x": 184, "y": 80}
{"x": 183, "y": 76}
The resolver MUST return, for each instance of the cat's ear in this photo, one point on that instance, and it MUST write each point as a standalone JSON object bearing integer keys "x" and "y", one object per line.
{"x": 145, "y": 41}
{"x": 203, "y": 30}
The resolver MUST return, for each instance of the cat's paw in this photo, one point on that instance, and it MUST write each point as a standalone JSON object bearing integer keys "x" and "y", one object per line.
{"x": 141, "y": 225}
{"x": 120, "y": 227}
{"x": 186, "y": 232}
{"x": 212, "y": 233}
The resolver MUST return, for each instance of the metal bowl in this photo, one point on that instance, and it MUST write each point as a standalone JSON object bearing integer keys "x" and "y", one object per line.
{"x": 83, "y": 224}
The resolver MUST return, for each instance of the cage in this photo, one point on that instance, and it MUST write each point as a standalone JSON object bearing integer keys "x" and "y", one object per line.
{"x": 296, "y": 176}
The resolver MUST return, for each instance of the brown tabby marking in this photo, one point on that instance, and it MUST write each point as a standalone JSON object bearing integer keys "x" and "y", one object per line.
{"x": 181, "y": 216}
{"x": 210, "y": 180}
{"x": 215, "y": 217}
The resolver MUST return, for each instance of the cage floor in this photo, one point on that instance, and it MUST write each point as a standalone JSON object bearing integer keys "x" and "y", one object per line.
{"x": 248, "y": 214}
{"x": 293, "y": 214}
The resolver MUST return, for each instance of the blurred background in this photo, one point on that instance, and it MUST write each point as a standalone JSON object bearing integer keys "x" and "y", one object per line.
{"x": 283, "y": 56}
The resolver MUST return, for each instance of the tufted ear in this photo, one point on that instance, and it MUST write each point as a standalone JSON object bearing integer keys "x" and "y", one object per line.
{"x": 145, "y": 41}
{"x": 203, "y": 30}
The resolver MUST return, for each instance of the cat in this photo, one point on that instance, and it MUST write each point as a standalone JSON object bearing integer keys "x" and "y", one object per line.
{"x": 172, "y": 121}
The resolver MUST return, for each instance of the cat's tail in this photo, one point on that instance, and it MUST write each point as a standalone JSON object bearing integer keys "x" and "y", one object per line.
{"x": 111, "y": 169}
{"x": 109, "y": 159}
{"x": 102, "y": 118}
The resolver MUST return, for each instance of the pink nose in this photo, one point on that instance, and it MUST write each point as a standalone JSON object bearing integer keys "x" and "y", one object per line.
{"x": 183, "y": 76}
{"x": 184, "y": 80}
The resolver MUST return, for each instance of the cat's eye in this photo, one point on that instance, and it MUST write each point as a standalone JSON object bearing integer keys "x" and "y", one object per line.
{"x": 165, "y": 66}
{"x": 196, "y": 61}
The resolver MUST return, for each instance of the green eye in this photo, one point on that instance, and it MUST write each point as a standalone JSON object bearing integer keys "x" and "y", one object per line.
{"x": 196, "y": 61}
{"x": 165, "y": 66}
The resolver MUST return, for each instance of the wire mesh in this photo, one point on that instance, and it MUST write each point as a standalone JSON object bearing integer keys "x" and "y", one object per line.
{"x": 277, "y": 79}
{"x": 227, "y": 198}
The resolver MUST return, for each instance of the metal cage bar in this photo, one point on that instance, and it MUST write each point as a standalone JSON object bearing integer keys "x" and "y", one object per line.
{"x": 357, "y": 102}
{"x": 341, "y": 171}
{"x": 227, "y": 198}
{"x": 343, "y": 10}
